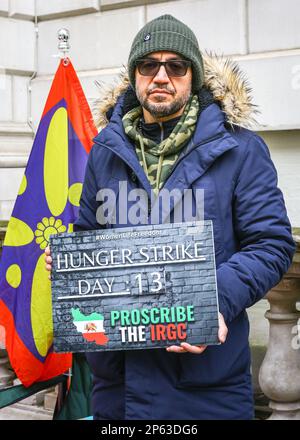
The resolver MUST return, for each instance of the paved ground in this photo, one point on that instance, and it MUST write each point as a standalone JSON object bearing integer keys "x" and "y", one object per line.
{"x": 21, "y": 411}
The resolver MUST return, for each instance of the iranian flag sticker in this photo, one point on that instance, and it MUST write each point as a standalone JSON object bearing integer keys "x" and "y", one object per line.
{"x": 91, "y": 326}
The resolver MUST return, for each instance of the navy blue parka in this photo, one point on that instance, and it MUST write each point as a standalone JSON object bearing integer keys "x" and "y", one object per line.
{"x": 253, "y": 249}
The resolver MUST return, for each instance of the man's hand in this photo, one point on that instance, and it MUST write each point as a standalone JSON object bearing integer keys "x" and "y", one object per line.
{"x": 198, "y": 349}
{"x": 48, "y": 260}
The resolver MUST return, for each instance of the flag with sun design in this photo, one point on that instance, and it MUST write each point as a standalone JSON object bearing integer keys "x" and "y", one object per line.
{"x": 47, "y": 203}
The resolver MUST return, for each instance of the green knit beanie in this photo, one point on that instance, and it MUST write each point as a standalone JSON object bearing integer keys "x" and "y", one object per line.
{"x": 167, "y": 33}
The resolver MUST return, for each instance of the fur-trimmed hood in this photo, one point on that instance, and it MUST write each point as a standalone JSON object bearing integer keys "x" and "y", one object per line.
{"x": 222, "y": 76}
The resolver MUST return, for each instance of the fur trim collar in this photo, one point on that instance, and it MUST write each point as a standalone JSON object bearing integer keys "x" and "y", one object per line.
{"x": 222, "y": 76}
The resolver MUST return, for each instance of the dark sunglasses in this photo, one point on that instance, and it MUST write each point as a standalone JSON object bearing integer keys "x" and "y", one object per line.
{"x": 149, "y": 67}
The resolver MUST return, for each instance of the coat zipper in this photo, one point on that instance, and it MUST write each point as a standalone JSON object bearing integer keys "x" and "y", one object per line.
{"x": 161, "y": 132}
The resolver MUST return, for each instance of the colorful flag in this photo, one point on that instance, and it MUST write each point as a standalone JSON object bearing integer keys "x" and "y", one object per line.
{"x": 47, "y": 203}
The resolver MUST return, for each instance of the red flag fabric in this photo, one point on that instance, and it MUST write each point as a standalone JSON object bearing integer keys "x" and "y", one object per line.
{"x": 47, "y": 203}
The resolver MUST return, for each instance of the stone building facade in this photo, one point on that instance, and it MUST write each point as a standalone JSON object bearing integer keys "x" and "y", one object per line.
{"x": 262, "y": 35}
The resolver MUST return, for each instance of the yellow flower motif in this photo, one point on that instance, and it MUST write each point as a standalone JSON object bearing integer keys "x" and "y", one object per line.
{"x": 47, "y": 227}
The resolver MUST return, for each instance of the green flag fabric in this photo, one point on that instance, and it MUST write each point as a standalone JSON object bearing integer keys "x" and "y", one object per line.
{"x": 76, "y": 403}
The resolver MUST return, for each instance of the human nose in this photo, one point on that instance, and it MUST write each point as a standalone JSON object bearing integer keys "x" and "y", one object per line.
{"x": 161, "y": 76}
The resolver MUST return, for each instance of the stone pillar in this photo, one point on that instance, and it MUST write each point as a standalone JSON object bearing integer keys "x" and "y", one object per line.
{"x": 279, "y": 375}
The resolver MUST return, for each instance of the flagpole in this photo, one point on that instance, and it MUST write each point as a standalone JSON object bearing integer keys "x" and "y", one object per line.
{"x": 44, "y": 203}
{"x": 63, "y": 36}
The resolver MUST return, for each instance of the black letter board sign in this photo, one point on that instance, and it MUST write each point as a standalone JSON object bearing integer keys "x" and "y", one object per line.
{"x": 132, "y": 288}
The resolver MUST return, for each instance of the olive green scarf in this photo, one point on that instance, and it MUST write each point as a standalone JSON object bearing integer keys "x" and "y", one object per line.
{"x": 158, "y": 159}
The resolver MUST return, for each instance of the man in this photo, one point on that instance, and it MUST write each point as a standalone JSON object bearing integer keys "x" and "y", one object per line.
{"x": 167, "y": 130}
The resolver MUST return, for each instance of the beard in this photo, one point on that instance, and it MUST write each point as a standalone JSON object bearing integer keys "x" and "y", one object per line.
{"x": 161, "y": 108}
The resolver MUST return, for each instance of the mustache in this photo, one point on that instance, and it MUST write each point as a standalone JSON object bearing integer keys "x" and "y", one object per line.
{"x": 166, "y": 88}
